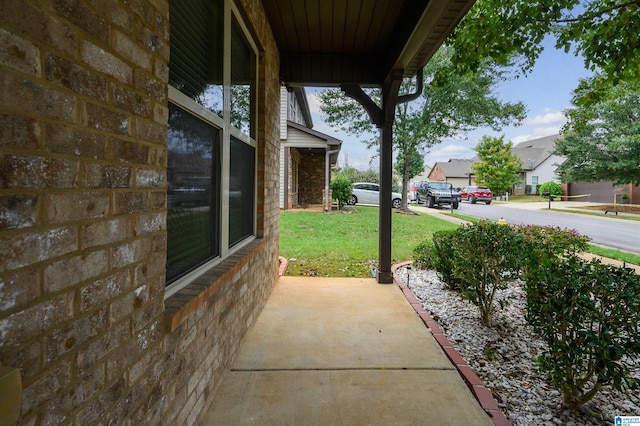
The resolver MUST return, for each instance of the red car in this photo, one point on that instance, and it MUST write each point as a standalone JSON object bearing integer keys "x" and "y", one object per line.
{"x": 476, "y": 193}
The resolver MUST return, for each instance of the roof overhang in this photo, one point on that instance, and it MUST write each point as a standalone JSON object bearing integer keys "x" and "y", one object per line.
{"x": 335, "y": 42}
{"x": 314, "y": 141}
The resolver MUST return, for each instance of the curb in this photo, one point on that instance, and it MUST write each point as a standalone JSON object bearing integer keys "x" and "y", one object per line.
{"x": 476, "y": 386}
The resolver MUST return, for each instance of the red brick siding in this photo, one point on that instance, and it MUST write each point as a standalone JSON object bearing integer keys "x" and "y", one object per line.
{"x": 311, "y": 184}
{"x": 83, "y": 134}
{"x": 437, "y": 174}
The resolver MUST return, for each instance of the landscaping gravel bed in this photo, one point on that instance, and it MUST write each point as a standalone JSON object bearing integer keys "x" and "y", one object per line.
{"x": 502, "y": 356}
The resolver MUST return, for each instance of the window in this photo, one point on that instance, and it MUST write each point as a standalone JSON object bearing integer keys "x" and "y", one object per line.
{"x": 534, "y": 180}
{"x": 211, "y": 208}
{"x": 193, "y": 174}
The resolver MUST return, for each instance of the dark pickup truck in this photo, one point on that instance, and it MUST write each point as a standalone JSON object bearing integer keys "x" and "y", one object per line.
{"x": 438, "y": 193}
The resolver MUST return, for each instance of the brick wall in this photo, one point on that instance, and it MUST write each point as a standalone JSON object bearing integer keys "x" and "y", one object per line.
{"x": 83, "y": 119}
{"x": 437, "y": 174}
{"x": 312, "y": 168}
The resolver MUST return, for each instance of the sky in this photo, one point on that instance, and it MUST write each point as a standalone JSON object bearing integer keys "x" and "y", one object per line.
{"x": 546, "y": 91}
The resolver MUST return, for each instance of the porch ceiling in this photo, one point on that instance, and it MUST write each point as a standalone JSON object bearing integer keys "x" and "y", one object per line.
{"x": 334, "y": 42}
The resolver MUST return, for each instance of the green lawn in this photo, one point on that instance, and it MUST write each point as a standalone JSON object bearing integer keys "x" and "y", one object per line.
{"x": 345, "y": 245}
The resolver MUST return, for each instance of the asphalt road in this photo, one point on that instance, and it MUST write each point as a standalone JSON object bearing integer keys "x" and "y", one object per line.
{"x": 607, "y": 231}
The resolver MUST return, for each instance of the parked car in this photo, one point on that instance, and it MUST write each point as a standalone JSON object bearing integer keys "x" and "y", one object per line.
{"x": 369, "y": 193}
{"x": 476, "y": 193}
{"x": 436, "y": 193}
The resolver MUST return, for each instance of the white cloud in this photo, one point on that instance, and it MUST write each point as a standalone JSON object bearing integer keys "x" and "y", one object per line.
{"x": 447, "y": 152}
{"x": 548, "y": 117}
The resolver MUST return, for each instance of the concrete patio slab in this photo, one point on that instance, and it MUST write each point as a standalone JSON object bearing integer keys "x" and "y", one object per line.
{"x": 341, "y": 351}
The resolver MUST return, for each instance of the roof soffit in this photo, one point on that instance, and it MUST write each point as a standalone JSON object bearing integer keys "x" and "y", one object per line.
{"x": 333, "y": 42}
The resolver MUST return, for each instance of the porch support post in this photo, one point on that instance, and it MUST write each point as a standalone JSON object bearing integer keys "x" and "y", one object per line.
{"x": 389, "y": 102}
{"x": 383, "y": 119}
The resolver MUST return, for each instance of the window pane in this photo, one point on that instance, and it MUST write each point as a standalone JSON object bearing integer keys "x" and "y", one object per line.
{"x": 193, "y": 174}
{"x": 242, "y": 80}
{"x": 196, "y": 62}
{"x": 241, "y": 191}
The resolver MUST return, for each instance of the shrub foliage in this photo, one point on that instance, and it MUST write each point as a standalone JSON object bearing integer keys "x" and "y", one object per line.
{"x": 443, "y": 255}
{"x": 552, "y": 188}
{"x": 488, "y": 255}
{"x": 341, "y": 189}
{"x": 589, "y": 316}
{"x": 587, "y": 313}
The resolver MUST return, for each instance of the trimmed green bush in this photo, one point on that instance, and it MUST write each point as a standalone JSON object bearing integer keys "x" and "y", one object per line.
{"x": 552, "y": 188}
{"x": 443, "y": 254}
{"x": 341, "y": 189}
{"x": 423, "y": 255}
{"x": 589, "y": 316}
{"x": 487, "y": 256}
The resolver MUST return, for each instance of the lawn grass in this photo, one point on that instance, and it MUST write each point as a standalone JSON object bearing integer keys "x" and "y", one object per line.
{"x": 622, "y": 256}
{"x": 346, "y": 245}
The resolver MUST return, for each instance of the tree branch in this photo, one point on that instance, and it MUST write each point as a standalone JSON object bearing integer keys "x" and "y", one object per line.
{"x": 592, "y": 15}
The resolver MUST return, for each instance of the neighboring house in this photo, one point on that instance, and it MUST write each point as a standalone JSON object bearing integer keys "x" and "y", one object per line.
{"x": 454, "y": 171}
{"x": 117, "y": 305}
{"x": 422, "y": 176}
{"x": 539, "y": 164}
{"x": 306, "y": 156}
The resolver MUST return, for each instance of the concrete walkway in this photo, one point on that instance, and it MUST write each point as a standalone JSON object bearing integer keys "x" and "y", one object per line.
{"x": 342, "y": 351}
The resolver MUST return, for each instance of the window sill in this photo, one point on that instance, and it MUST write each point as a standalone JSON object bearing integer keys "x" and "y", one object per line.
{"x": 179, "y": 306}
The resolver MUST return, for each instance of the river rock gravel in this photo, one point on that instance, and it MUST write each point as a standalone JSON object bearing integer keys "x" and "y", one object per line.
{"x": 503, "y": 356}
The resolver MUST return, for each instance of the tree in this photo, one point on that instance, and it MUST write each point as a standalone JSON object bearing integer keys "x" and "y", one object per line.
{"x": 498, "y": 167}
{"x": 411, "y": 162}
{"x": 463, "y": 103}
{"x": 603, "y": 32}
{"x": 602, "y": 141}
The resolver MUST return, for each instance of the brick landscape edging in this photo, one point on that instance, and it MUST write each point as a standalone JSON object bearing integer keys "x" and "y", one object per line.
{"x": 475, "y": 384}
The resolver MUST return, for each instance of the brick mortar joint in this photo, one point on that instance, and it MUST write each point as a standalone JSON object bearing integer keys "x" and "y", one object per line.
{"x": 176, "y": 316}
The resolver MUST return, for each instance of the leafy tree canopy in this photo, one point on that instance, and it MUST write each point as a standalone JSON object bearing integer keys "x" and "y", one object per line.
{"x": 463, "y": 103}
{"x": 498, "y": 167}
{"x": 604, "y": 32}
{"x": 415, "y": 162}
{"x": 602, "y": 142}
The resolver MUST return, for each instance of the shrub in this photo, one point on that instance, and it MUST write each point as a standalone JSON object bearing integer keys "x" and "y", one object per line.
{"x": 589, "y": 316}
{"x": 443, "y": 255}
{"x": 549, "y": 243}
{"x": 552, "y": 188}
{"x": 341, "y": 189}
{"x": 553, "y": 241}
{"x": 423, "y": 255}
{"x": 488, "y": 255}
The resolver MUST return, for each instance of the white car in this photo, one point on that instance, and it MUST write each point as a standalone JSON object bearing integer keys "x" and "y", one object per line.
{"x": 369, "y": 193}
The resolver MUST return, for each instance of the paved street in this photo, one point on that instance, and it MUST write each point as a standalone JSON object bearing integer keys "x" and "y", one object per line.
{"x": 607, "y": 231}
